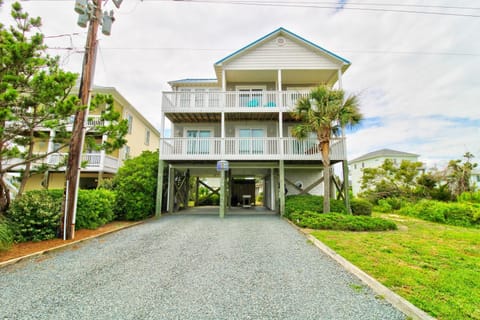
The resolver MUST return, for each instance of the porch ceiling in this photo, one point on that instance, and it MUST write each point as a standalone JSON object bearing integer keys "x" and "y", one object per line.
{"x": 200, "y": 117}
{"x": 289, "y": 77}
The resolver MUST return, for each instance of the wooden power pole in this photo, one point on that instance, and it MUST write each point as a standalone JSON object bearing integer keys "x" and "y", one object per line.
{"x": 72, "y": 173}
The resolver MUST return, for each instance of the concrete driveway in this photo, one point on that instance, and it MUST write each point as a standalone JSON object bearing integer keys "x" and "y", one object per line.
{"x": 190, "y": 267}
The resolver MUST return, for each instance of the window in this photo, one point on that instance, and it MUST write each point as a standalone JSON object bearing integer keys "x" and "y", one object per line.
{"x": 130, "y": 123}
{"x": 127, "y": 152}
{"x": 147, "y": 137}
{"x": 198, "y": 141}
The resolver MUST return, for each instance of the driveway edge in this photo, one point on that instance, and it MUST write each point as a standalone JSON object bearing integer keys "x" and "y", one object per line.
{"x": 39, "y": 253}
{"x": 397, "y": 301}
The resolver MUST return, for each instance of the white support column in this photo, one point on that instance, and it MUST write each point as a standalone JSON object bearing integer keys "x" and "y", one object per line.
{"x": 222, "y": 135}
{"x": 162, "y": 131}
{"x": 272, "y": 190}
{"x": 340, "y": 84}
{"x": 171, "y": 188}
{"x": 224, "y": 80}
{"x": 280, "y": 133}
{"x": 158, "y": 203}
{"x": 279, "y": 88}
{"x": 281, "y": 191}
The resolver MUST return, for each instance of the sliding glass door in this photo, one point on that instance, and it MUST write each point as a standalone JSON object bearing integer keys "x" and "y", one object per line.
{"x": 250, "y": 141}
{"x": 198, "y": 142}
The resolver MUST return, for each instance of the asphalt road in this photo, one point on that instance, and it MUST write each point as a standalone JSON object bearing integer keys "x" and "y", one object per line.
{"x": 190, "y": 267}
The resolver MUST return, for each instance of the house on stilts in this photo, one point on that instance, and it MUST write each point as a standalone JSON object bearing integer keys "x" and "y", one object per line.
{"x": 243, "y": 117}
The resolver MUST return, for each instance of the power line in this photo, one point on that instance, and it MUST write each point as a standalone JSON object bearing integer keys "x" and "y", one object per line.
{"x": 432, "y": 53}
{"x": 347, "y": 6}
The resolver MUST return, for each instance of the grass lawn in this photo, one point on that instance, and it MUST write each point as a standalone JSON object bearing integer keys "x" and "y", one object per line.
{"x": 434, "y": 266}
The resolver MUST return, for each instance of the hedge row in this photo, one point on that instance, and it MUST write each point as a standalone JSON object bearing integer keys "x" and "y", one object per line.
{"x": 338, "y": 221}
{"x": 36, "y": 215}
{"x": 464, "y": 214}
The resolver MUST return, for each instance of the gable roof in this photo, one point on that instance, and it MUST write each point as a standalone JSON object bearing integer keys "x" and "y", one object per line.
{"x": 286, "y": 32}
{"x": 383, "y": 153}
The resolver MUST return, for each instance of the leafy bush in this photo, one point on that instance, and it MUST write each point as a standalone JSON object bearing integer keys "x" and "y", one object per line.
{"x": 383, "y": 206}
{"x": 473, "y": 197}
{"x": 95, "y": 208}
{"x": 390, "y": 204}
{"x": 36, "y": 215}
{"x": 361, "y": 207}
{"x": 6, "y": 236}
{"x": 454, "y": 213}
{"x": 299, "y": 203}
{"x": 136, "y": 187}
{"x": 213, "y": 200}
{"x": 338, "y": 221}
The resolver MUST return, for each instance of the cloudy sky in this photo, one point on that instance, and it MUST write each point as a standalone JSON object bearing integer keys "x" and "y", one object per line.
{"x": 416, "y": 67}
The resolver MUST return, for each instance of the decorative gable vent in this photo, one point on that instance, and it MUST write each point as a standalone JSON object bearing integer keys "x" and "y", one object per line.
{"x": 280, "y": 41}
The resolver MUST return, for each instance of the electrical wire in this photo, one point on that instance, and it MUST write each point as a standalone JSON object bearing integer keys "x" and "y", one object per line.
{"x": 345, "y": 6}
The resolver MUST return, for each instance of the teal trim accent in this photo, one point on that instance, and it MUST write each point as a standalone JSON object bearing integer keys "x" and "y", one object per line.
{"x": 279, "y": 30}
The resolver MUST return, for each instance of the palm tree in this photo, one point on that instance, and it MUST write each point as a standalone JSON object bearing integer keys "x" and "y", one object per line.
{"x": 325, "y": 112}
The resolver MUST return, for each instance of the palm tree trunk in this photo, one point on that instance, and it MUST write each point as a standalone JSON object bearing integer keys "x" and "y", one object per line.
{"x": 325, "y": 149}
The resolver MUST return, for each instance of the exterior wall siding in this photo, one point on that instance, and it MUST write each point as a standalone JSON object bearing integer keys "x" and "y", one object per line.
{"x": 289, "y": 56}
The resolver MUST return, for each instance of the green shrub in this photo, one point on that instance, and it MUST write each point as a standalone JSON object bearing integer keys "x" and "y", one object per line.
{"x": 213, "y": 200}
{"x": 361, "y": 207}
{"x": 383, "y": 206}
{"x": 338, "y": 221}
{"x": 136, "y": 185}
{"x": 6, "y": 236}
{"x": 95, "y": 208}
{"x": 473, "y": 197}
{"x": 311, "y": 203}
{"x": 36, "y": 215}
{"x": 453, "y": 213}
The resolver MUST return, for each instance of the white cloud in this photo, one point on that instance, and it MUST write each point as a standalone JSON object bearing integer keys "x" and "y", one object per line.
{"x": 418, "y": 95}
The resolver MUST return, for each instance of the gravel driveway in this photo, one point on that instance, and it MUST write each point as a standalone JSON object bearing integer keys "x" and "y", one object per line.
{"x": 189, "y": 267}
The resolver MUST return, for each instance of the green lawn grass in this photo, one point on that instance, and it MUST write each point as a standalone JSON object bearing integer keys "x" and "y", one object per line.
{"x": 434, "y": 266}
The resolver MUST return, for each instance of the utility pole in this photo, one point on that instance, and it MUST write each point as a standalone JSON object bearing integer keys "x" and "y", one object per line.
{"x": 72, "y": 173}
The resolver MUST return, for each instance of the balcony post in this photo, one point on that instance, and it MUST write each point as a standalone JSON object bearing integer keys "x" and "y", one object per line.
{"x": 279, "y": 88}
{"x": 159, "y": 196}
{"x": 281, "y": 191}
{"x": 280, "y": 133}
{"x": 222, "y": 135}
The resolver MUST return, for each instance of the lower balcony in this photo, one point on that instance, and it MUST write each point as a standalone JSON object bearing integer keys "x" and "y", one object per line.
{"x": 269, "y": 148}
{"x": 92, "y": 162}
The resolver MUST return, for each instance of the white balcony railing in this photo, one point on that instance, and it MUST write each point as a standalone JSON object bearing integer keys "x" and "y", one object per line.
{"x": 92, "y": 121}
{"x": 93, "y": 161}
{"x": 269, "y": 148}
{"x": 235, "y": 101}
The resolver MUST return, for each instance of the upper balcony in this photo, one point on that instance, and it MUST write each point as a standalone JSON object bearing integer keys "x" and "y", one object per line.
{"x": 230, "y": 101}
{"x": 267, "y": 148}
{"x": 92, "y": 162}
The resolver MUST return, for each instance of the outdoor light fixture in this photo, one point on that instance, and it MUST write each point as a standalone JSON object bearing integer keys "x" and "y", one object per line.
{"x": 81, "y": 6}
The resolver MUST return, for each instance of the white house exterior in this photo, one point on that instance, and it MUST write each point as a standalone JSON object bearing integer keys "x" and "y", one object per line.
{"x": 243, "y": 116}
{"x": 373, "y": 160}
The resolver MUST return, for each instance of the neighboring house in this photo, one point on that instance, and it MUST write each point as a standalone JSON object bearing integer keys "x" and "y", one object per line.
{"x": 141, "y": 136}
{"x": 244, "y": 116}
{"x": 373, "y": 160}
